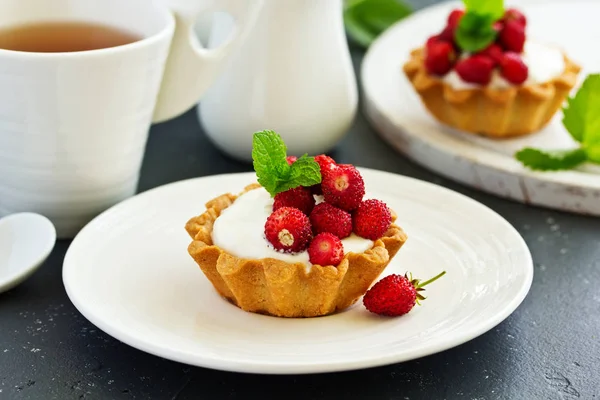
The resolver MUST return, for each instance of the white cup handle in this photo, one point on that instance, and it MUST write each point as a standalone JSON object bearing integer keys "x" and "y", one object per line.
{"x": 190, "y": 68}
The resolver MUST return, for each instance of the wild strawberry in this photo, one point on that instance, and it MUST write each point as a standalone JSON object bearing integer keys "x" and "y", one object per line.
{"x": 475, "y": 69}
{"x": 513, "y": 69}
{"x": 395, "y": 295}
{"x": 326, "y": 249}
{"x": 449, "y": 30}
{"x": 454, "y": 17}
{"x": 343, "y": 187}
{"x": 512, "y": 36}
{"x": 299, "y": 197}
{"x": 439, "y": 58}
{"x": 494, "y": 52}
{"x": 327, "y": 218}
{"x": 446, "y": 35}
{"x": 512, "y": 14}
{"x": 372, "y": 219}
{"x": 291, "y": 159}
{"x": 326, "y": 164}
{"x": 288, "y": 229}
{"x": 432, "y": 40}
{"x": 498, "y": 26}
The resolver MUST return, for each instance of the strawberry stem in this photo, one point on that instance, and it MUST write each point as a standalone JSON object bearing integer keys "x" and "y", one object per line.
{"x": 421, "y": 284}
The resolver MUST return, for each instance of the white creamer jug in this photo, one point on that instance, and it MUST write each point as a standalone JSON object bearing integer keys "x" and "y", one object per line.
{"x": 292, "y": 74}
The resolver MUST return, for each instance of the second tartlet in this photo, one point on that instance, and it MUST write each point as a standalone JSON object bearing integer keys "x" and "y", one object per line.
{"x": 491, "y": 92}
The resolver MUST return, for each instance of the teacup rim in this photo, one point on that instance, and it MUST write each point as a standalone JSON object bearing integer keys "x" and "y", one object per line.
{"x": 150, "y": 40}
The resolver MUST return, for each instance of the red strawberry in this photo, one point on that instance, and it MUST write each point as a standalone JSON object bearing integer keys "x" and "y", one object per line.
{"x": 512, "y": 14}
{"x": 454, "y": 17}
{"x": 327, "y": 218}
{"x": 372, "y": 219}
{"x": 432, "y": 40}
{"x": 291, "y": 159}
{"x": 512, "y": 36}
{"x": 327, "y": 164}
{"x": 299, "y": 197}
{"x": 498, "y": 26}
{"x": 395, "y": 295}
{"x": 449, "y": 30}
{"x": 326, "y": 249}
{"x": 288, "y": 229}
{"x": 447, "y": 35}
{"x": 494, "y": 52}
{"x": 476, "y": 69}
{"x": 439, "y": 58}
{"x": 343, "y": 187}
{"x": 513, "y": 69}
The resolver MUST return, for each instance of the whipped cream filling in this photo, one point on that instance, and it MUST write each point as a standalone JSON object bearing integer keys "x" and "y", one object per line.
{"x": 543, "y": 62}
{"x": 239, "y": 230}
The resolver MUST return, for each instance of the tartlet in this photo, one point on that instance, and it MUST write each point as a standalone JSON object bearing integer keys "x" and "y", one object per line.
{"x": 283, "y": 289}
{"x": 494, "y": 112}
{"x": 477, "y": 75}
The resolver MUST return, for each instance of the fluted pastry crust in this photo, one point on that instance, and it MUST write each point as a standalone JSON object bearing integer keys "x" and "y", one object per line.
{"x": 275, "y": 287}
{"x": 494, "y": 112}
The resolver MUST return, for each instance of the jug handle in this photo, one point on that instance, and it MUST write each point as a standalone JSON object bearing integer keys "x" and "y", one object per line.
{"x": 191, "y": 68}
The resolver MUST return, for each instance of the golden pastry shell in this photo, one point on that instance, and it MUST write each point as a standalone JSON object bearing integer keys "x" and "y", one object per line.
{"x": 493, "y": 112}
{"x": 278, "y": 288}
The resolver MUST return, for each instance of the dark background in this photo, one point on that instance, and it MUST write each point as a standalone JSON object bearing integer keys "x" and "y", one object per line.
{"x": 549, "y": 348}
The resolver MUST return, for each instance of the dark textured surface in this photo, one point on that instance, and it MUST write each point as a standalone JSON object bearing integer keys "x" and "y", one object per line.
{"x": 549, "y": 348}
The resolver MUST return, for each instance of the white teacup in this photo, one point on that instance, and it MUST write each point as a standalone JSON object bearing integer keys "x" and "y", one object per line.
{"x": 73, "y": 126}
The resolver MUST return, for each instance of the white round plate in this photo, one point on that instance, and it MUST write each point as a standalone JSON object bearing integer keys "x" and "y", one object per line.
{"x": 396, "y": 112}
{"x": 129, "y": 273}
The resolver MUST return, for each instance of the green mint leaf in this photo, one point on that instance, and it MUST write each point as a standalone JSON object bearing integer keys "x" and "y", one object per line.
{"x": 268, "y": 155}
{"x": 366, "y": 19}
{"x": 594, "y": 153}
{"x": 493, "y": 8}
{"x": 305, "y": 171}
{"x": 273, "y": 171}
{"x": 551, "y": 160}
{"x": 581, "y": 115}
{"x": 475, "y": 31}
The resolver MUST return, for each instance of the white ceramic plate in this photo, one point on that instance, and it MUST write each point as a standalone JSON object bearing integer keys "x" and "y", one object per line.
{"x": 397, "y": 113}
{"x": 129, "y": 273}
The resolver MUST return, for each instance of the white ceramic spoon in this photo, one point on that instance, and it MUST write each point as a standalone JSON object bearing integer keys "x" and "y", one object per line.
{"x": 26, "y": 240}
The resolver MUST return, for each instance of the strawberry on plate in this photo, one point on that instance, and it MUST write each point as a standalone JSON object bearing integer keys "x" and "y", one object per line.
{"x": 396, "y": 295}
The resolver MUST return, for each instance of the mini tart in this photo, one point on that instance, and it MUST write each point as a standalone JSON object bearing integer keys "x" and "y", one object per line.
{"x": 282, "y": 289}
{"x": 493, "y": 112}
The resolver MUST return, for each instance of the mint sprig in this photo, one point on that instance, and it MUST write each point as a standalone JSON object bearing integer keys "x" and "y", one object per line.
{"x": 366, "y": 19}
{"x": 581, "y": 114}
{"x": 273, "y": 171}
{"x": 493, "y": 8}
{"x": 475, "y": 31}
{"x": 581, "y": 118}
{"x": 551, "y": 160}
